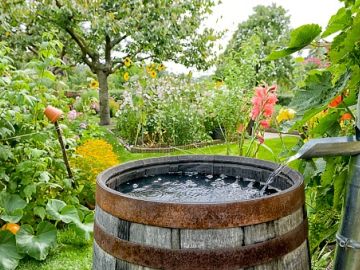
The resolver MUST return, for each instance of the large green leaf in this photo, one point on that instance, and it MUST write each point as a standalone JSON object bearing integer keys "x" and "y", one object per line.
{"x": 12, "y": 205}
{"x": 9, "y": 257}
{"x": 337, "y": 22}
{"x": 327, "y": 125}
{"x": 58, "y": 210}
{"x": 303, "y": 35}
{"x": 318, "y": 91}
{"x": 85, "y": 228}
{"x": 36, "y": 244}
{"x": 299, "y": 38}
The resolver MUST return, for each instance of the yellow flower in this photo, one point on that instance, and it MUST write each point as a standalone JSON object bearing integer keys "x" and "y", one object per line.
{"x": 93, "y": 157}
{"x": 148, "y": 69}
{"x": 94, "y": 84}
{"x": 161, "y": 67}
{"x": 285, "y": 114}
{"x": 127, "y": 62}
{"x": 153, "y": 74}
{"x": 218, "y": 84}
{"x": 126, "y": 76}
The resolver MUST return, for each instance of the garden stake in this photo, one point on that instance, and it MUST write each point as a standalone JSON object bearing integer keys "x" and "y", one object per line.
{"x": 67, "y": 165}
{"x": 53, "y": 114}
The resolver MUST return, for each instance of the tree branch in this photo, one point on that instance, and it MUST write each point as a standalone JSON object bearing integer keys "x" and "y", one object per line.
{"x": 117, "y": 40}
{"x": 85, "y": 51}
{"x": 108, "y": 50}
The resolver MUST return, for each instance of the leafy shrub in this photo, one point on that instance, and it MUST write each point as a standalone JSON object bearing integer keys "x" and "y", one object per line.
{"x": 32, "y": 172}
{"x": 166, "y": 110}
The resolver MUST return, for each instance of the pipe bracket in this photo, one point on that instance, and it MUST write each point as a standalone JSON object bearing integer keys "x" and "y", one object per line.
{"x": 345, "y": 242}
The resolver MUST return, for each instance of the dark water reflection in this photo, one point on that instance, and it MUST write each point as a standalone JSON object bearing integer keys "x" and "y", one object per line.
{"x": 193, "y": 187}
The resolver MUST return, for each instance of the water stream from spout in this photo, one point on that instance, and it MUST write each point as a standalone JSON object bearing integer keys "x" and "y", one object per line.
{"x": 278, "y": 170}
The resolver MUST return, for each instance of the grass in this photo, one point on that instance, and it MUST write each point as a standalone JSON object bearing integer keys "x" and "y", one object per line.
{"x": 73, "y": 254}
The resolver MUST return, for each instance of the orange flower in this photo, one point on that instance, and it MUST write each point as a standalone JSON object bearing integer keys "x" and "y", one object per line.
{"x": 346, "y": 116}
{"x": 335, "y": 102}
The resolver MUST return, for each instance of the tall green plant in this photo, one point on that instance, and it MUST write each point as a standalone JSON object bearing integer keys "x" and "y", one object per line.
{"x": 326, "y": 97}
{"x": 34, "y": 189}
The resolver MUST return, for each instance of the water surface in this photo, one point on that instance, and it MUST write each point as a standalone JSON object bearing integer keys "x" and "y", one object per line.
{"x": 193, "y": 187}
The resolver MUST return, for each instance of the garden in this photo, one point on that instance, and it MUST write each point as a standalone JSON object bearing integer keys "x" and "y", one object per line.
{"x": 104, "y": 66}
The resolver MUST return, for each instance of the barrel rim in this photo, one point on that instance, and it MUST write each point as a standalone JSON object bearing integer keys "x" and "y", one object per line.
{"x": 104, "y": 176}
{"x": 227, "y": 214}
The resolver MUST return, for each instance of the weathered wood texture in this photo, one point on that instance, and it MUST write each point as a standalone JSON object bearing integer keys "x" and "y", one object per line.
{"x": 212, "y": 238}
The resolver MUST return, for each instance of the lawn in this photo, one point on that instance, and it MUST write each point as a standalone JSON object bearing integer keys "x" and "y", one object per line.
{"x": 72, "y": 253}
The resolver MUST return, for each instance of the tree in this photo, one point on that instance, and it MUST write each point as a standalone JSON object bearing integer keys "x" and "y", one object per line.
{"x": 103, "y": 33}
{"x": 254, "y": 39}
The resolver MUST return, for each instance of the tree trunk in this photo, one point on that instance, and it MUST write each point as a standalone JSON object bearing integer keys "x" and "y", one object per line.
{"x": 103, "y": 98}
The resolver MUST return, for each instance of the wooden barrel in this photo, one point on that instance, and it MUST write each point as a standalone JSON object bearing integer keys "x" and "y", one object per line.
{"x": 264, "y": 233}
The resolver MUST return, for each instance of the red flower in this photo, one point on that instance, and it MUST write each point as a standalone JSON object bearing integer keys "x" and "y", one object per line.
{"x": 335, "y": 102}
{"x": 265, "y": 123}
{"x": 346, "y": 116}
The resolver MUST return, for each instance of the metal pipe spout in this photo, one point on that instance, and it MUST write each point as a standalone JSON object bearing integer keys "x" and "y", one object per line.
{"x": 348, "y": 237}
{"x": 332, "y": 146}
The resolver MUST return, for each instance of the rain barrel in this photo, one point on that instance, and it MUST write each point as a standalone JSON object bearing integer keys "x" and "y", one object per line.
{"x": 268, "y": 232}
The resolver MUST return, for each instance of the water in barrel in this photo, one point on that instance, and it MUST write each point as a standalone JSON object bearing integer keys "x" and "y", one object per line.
{"x": 192, "y": 187}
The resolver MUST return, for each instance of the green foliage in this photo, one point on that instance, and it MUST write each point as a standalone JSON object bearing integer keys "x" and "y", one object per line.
{"x": 31, "y": 166}
{"x": 166, "y": 110}
{"x": 13, "y": 206}
{"x": 262, "y": 32}
{"x": 321, "y": 117}
{"x": 9, "y": 257}
{"x": 299, "y": 38}
{"x": 36, "y": 244}
{"x": 93, "y": 31}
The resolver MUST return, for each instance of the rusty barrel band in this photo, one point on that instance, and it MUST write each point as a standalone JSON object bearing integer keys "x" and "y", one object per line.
{"x": 201, "y": 259}
{"x": 200, "y": 216}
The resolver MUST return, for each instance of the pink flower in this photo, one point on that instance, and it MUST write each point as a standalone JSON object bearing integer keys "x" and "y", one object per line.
{"x": 265, "y": 123}
{"x": 255, "y": 112}
{"x": 72, "y": 115}
{"x": 272, "y": 99}
{"x": 268, "y": 110}
{"x": 261, "y": 92}
{"x": 263, "y": 102}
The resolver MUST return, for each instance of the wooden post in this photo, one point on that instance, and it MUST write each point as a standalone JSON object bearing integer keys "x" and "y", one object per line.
{"x": 67, "y": 165}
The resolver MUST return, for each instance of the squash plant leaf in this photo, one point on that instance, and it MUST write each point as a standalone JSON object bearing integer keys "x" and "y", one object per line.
{"x": 58, "y": 210}
{"x": 9, "y": 256}
{"x": 36, "y": 244}
{"x": 12, "y": 205}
